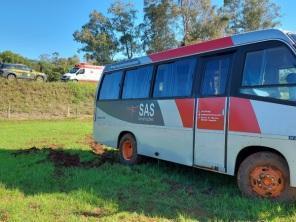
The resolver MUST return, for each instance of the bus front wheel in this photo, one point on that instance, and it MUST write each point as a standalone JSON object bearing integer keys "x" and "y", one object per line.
{"x": 265, "y": 175}
{"x": 128, "y": 150}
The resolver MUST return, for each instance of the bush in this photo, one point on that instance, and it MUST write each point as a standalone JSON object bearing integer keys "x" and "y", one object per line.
{"x": 53, "y": 76}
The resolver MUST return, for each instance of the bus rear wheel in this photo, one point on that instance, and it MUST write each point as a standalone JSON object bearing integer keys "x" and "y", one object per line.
{"x": 265, "y": 175}
{"x": 128, "y": 150}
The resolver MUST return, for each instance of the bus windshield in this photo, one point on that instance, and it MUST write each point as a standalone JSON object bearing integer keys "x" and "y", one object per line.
{"x": 73, "y": 70}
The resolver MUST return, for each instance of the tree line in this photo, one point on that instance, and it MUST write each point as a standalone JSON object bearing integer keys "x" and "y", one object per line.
{"x": 168, "y": 24}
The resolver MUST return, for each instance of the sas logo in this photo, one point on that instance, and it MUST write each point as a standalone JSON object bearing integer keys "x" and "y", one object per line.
{"x": 146, "y": 110}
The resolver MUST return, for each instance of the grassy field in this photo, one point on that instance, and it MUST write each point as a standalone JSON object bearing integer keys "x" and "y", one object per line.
{"x": 48, "y": 173}
{"x": 34, "y": 100}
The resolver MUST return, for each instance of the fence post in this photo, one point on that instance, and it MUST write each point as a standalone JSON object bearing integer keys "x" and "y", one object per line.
{"x": 8, "y": 111}
{"x": 68, "y": 111}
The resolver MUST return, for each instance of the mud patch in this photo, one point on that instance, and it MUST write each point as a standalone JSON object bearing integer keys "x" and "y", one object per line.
{"x": 96, "y": 147}
{"x": 61, "y": 158}
{"x": 97, "y": 213}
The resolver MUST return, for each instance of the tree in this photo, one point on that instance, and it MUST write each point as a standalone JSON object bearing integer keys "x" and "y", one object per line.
{"x": 260, "y": 15}
{"x": 232, "y": 9}
{"x": 98, "y": 38}
{"x": 200, "y": 20}
{"x": 158, "y": 28}
{"x": 54, "y": 66}
{"x": 11, "y": 57}
{"x": 124, "y": 22}
{"x": 250, "y": 15}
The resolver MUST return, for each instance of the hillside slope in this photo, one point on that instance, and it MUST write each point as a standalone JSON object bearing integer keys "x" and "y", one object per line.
{"x": 33, "y": 100}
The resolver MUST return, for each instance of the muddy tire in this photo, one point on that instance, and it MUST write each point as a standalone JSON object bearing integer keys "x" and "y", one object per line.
{"x": 128, "y": 153}
{"x": 11, "y": 77}
{"x": 265, "y": 175}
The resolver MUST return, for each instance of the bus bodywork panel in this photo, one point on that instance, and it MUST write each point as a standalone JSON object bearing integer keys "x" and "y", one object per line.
{"x": 261, "y": 124}
{"x": 157, "y": 125}
{"x": 165, "y": 131}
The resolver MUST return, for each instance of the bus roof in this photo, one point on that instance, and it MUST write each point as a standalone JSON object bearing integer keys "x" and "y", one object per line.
{"x": 206, "y": 46}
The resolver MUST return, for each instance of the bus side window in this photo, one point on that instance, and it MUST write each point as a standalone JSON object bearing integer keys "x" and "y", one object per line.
{"x": 215, "y": 76}
{"x": 110, "y": 87}
{"x": 137, "y": 83}
{"x": 272, "y": 73}
{"x": 175, "y": 79}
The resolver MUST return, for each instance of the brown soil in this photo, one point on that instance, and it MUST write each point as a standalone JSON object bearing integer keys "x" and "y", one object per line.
{"x": 96, "y": 147}
{"x": 98, "y": 212}
{"x": 61, "y": 158}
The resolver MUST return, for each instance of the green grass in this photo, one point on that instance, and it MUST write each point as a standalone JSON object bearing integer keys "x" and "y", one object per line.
{"x": 35, "y": 188}
{"x": 31, "y": 100}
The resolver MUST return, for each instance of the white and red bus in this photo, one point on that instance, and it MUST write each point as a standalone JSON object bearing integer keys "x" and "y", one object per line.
{"x": 226, "y": 105}
{"x": 84, "y": 72}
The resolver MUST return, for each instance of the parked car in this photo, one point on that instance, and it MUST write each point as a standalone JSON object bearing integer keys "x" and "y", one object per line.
{"x": 20, "y": 71}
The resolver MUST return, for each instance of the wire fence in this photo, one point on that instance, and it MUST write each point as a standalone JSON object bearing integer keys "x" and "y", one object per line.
{"x": 57, "y": 111}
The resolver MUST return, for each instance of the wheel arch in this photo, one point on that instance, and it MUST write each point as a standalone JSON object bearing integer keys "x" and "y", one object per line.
{"x": 11, "y": 73}
{"x": 247, "y": 151}
{"x": 40, "y": 76}
{"x": 121, "y": 134}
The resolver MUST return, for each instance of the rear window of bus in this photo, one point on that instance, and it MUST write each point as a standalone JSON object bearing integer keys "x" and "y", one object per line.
{"x": 110, "y": 87}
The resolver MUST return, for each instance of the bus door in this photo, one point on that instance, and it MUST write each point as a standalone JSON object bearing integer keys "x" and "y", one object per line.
{"x": 211, "y": 113}
{"x": 171, "y": 138}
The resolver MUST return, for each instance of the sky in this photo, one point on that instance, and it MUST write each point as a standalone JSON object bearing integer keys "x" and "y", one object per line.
{"x": 35, "y": 27}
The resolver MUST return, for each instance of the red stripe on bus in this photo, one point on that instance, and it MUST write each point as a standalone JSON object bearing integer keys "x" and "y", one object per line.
{"x": 211, "y": 112}
{"x": 242, "y": 117}
{"x": 186, "y": 111}
{"x": 192, "y": 49}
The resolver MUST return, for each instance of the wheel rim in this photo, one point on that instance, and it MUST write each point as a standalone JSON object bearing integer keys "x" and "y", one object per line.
{"x": 267, "y": 181}
{"x": 10, "y": 77}
{"x": 127, "y": 150}
{"x": 39, "y": 79}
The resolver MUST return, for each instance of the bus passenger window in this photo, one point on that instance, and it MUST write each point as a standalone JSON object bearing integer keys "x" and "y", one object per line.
{"x": 175, "y": 79}
{"x": 137, "y": 83}
{"x": 270, "y": 73}
{"x": 110, "y": 87}
{"x": 215, "y": 76}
